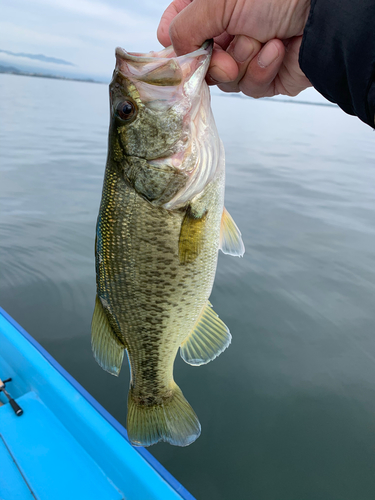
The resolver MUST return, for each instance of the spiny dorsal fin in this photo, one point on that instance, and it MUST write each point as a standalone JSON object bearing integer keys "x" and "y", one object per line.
{"x": 209, "y": 338}
{"x": 230, "y": 236}
{"x": 191, "y": 236}
{"x": 107, "y": 349}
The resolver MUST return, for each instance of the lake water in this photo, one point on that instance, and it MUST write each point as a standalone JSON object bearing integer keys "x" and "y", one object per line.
{"x": 288, "y": 411}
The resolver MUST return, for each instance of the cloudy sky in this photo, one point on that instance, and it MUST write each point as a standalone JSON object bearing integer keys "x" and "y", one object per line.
{"x": 82, "y": 32}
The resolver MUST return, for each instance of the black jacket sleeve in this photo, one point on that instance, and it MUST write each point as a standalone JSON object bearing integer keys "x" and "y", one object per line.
{"x": 338, "y": 54}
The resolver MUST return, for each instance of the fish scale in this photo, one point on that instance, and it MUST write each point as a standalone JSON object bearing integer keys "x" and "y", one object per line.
{"x": 146, "y": 238}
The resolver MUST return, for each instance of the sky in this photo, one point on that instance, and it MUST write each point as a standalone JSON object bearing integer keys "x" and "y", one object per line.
{"x": 84, "y": 33}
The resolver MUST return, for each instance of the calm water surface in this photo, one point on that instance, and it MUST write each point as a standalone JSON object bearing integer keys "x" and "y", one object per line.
{"x": 288, "y": 411}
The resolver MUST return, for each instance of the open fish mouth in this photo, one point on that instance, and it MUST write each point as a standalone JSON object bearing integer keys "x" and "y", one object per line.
{"x": 163, "y": 55}
{"x": 163, "y": 68}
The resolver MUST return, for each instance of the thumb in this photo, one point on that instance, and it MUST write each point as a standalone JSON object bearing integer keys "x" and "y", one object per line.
{"x": 198, "y": 22}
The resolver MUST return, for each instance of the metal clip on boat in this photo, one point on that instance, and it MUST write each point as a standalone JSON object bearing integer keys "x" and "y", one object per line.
{"x": 17, "y": 409}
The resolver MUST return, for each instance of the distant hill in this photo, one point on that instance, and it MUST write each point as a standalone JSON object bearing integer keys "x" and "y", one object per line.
{"x": 9, "y": 69}
{"x": 15, "y": 71}
{"x": 39, "y": 57}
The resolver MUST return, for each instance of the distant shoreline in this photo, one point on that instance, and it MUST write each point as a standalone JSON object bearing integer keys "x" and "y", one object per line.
{"x": 17, "y": 72}
{"x": 14, "y": 71}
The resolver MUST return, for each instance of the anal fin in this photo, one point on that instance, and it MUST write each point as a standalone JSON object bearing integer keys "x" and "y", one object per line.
{"x": 209, "y": 338}
{"x": 230, "y": 236}
{"x": 107, "y": 349}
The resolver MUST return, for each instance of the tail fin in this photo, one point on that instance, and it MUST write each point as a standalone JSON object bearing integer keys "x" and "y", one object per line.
{"x": 174, "y": 422}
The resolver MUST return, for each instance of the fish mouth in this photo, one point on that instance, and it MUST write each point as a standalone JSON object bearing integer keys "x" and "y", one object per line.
{"x": 163, "y": 55}
{"x": 163, "y": 68}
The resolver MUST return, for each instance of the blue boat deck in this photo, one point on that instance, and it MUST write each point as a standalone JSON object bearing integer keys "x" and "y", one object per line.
{"x": 65, "y": 445}
{"x": 33, "y": 442}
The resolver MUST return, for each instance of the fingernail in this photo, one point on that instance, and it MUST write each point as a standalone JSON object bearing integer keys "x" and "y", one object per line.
{"x": 268, "y": 55}
{"x": 217, "y": 75}
{"x": 243, "y": 48}
{"x": 211, "y": 81}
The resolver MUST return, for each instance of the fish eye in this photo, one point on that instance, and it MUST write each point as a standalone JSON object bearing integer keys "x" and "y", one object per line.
{"x": 126, "y": 110}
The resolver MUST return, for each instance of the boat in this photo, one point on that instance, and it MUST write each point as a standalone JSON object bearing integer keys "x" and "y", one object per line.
{"x": 57, "y": 442}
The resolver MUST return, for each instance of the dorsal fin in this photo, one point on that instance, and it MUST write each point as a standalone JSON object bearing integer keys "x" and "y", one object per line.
{"x": 230, "y": 236}
{"x": 107, "y": 349}
{"x": 209, "y": 338}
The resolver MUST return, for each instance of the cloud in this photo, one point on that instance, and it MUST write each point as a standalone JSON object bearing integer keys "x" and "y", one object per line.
{"x": 35, "y": 37}
{"x": 84, "y": 32}
{"x": 99, "y": 10}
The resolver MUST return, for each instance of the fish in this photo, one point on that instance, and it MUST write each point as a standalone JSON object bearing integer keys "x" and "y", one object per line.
{"x": 161, "y": 223}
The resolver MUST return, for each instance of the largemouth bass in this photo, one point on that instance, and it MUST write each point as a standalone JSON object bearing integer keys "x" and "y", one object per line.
{"x": 160, "y": 225}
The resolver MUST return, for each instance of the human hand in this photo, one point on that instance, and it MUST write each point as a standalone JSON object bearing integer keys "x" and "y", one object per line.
{"x": 256, "y": 42}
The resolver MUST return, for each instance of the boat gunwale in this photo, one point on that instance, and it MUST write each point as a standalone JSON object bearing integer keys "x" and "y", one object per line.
{"x": 146, "y": 455}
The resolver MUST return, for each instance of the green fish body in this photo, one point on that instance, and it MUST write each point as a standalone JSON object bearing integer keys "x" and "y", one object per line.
{"x": 160, "y": 225}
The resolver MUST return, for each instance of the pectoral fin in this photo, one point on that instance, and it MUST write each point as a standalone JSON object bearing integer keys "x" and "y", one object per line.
{"x": 209, "y": 338}
{"x": 191, "y": 236}
{"x": 230, "y": 236}
{"x": 107, "y": 349}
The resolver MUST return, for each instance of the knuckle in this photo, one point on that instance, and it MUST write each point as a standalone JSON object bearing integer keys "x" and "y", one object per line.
{"x": 174, "y": 33}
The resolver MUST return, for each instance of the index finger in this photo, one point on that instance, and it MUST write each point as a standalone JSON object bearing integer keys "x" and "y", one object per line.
{"x": 169, "y": 14}
{"x": 199, "y": 21}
